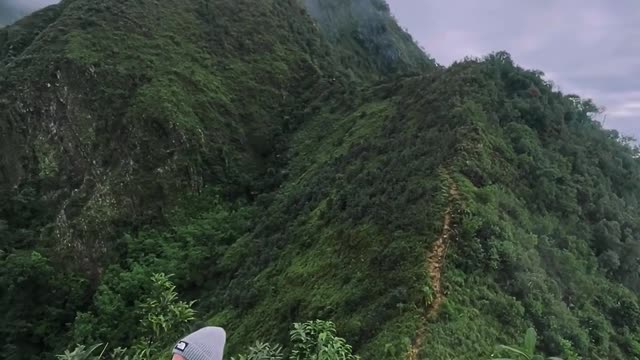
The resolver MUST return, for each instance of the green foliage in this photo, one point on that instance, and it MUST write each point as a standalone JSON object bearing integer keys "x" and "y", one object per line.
{"x": 163, "y": 319}
{"x": 37, "y": 303}
{"x": 234, "y": 145}
{"x": 262, "y": 351}
{"x": 312, "y": 340}
{"x": 83, "y": 353}
{"x": 317, "y": 340}
{"x": 527, "y": 351}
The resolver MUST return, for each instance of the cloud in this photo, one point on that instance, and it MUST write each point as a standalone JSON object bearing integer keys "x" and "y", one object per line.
{"x": 12, "y": 10}
{"x": 626, "y": 110}
{"x": 627, "y": 107}
{"x": 588, "y": 47}
{"x": 30, "y": 5}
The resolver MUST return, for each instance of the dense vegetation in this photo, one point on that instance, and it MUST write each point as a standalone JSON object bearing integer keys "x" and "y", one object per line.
{"x": 164, "y": 318}
{"x": 366, "y": 39}
{"x": 287, "y": 167}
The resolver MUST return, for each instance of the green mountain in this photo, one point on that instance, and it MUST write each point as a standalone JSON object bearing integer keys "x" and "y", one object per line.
{"x": 289, "y": 161}
{"x": 367, "y": 39}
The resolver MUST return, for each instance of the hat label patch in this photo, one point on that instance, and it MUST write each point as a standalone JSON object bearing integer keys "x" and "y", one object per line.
{"x": 182, "y": 345}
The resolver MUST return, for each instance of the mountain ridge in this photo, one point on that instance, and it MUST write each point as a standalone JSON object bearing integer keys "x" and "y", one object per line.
{"x": 282, "y": 173}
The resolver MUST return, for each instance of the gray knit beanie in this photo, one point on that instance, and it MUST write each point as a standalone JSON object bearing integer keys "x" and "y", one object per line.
{"x": 204, "y": 344}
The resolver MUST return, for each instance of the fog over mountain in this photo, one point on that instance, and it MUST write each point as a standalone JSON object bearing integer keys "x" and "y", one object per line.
{"x": 12, "y": 10}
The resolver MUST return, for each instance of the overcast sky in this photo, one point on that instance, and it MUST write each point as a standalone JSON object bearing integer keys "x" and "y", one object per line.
{"x": 588, "y": 47}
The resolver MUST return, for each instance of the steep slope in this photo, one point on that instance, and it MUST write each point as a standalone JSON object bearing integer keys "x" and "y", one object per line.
{"x": 337, "y": 240}
{"x": 431, "y": 215}
{"x": 549, "y": 233}
{"x": 368, "y": 184}
{"x": 187, "y": 93}
{"x": 367, "y": 39}
{"x": 353, "y": 217}
{"x": 14, "y": 39}
{"x": 112, "y": 110}
{"x": 434, "y": 266}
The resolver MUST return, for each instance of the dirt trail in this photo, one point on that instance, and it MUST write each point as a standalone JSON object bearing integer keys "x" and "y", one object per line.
{"x": 434, "y": 263}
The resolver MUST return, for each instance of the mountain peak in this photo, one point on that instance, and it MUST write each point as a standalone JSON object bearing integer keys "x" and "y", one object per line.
{"x": 365, "y": 33}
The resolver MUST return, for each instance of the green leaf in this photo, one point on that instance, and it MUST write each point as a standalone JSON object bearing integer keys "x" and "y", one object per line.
{"x": 530, "y": 341}
{"x": 515, "y": 351}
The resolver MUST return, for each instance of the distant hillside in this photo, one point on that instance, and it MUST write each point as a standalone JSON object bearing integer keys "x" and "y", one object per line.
{"x": 12, "y": 10}
{"x": 292, "y": 161}
{"x": 8, "y": 14}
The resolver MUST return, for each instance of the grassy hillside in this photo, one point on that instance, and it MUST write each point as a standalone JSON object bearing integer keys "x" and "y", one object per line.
{"x": 111, "y": 111}
{"x": 286, "y": 167}
{"x": 117, "y": 107}
{"x": 549, "y": 233}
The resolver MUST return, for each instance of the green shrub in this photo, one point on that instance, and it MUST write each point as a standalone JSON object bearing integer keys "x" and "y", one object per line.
{"x": 163, "y": 318}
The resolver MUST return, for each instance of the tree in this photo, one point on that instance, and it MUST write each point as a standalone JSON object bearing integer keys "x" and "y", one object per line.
{"x": 317, "y": 340}
{"x": 164, "y": 317}
{"x": 312, "y": 340}
{"x": 30, "y": 325}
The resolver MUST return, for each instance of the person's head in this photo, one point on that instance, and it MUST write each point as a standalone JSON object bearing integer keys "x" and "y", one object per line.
{"x": 204, "y": 344}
